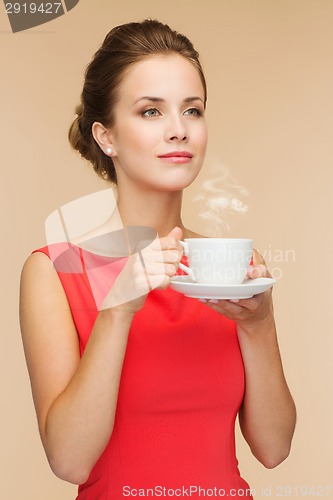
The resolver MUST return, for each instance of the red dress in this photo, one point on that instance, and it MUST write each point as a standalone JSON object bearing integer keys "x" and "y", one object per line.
{"x": 181, "y": 387}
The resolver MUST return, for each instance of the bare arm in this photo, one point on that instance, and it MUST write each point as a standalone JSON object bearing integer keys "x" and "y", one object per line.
{"x": 267, "y": 416}
{"x": 75, "y": 399}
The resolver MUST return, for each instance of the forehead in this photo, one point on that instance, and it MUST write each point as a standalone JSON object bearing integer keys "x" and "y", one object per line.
{"x": 161, "y": 76}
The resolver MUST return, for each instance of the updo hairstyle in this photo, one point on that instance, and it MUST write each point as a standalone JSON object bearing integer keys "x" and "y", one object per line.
{"x": 123, "y": 46}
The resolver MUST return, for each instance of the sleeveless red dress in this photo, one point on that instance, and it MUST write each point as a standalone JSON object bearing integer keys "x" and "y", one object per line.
{"x": 181, "y": 387}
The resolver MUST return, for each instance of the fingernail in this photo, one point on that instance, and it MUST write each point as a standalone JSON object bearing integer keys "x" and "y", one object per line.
{"x": 234, "y": 300}
{"x": 213, "y": 301}
{"x": 202, "y": 300}
{"x": 253, "y": 273}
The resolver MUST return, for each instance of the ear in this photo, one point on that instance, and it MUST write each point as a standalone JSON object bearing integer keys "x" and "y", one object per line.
{"x": 103, "y": 138}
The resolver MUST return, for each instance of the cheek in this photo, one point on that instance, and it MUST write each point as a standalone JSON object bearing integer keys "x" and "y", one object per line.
{"x": 134, "y": 155}
{"x": 200, "y": 129}
{"x": 138, "y": 139}
{"x": 127, "y": 142}
{"x": 202, "y": 138}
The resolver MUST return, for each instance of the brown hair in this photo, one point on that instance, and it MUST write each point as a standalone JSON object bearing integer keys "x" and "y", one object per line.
{"x": 123, "y": 46}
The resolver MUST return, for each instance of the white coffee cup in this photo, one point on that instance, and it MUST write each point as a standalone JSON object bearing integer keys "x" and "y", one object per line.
{"x": 214, "y": 261}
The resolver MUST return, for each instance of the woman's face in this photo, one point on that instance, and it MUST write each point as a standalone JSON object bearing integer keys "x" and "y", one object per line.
{"x": 159, "y": 138}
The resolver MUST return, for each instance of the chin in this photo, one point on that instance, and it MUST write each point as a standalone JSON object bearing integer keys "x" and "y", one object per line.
{"x": 180, "y": 183}
{"x": 174, "y": 186}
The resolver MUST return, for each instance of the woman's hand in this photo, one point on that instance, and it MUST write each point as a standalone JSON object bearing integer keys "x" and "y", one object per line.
{"x": 249, "y": 313}
{"x": 149, "y": 269}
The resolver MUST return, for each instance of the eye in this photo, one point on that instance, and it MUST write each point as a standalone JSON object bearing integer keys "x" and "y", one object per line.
{"x": 193, "y": 112}
{"x": 151, "y": 113}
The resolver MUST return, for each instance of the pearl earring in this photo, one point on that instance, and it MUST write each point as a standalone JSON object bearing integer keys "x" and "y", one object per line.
{"x": 109, "y": 151}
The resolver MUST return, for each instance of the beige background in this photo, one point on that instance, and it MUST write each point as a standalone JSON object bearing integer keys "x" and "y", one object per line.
{"x": 269, "y": 69}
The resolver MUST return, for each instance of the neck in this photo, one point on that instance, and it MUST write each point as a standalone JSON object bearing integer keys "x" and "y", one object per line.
{"x": 155, "y": 209}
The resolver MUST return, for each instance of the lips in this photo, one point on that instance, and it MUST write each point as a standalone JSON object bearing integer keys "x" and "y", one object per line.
{"x": 177, "y": 154}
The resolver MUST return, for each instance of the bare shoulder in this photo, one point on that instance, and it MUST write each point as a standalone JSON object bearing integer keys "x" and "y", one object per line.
{"x": 39, "y": 280}
{"x": 48, "y": 332}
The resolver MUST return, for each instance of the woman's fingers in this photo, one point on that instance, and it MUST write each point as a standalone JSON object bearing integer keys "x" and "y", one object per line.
{"x": 160, "y": 268}
{"x": 258, "y": 258}
{"x": 246, "y": 311}
{"x": 257, "y": 271}
{"x": 150, "y": 267}
{"x": 259, "y": 268}
{"x": 162, "y": 256}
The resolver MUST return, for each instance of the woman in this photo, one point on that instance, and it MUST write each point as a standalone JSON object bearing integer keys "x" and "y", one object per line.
{"x": 143, "y": 393}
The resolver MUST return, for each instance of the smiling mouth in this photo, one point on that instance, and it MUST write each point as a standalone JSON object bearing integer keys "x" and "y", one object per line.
{"x": 177, "y": 154}
{"x": 176, "y": 158}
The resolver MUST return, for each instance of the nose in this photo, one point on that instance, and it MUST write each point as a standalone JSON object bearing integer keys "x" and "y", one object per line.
{"x": 176, "y": 130}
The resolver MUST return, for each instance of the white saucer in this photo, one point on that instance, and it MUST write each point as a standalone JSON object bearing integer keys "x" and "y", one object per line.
{"x": 245, "y": 290}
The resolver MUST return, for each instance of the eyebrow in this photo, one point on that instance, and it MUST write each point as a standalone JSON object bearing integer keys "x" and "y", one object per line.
{"x": 159, "y": 99}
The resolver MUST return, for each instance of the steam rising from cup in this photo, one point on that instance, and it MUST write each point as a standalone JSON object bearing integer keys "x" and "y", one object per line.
{"x": 221, "y": 196}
